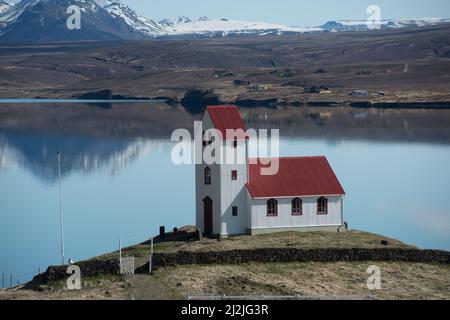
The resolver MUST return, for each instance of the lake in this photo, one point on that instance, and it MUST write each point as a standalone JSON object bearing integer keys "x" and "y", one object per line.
{"x": 73, "y": 101}
{"x": 126, "y": 187}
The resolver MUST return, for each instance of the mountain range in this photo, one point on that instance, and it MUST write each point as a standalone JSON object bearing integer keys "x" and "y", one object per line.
{"x": 3, "y": 6}
{"x": 45, "y": 21}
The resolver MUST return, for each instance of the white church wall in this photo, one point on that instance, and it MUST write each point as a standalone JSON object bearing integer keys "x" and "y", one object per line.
{"x": 285, "y": 219}
{"x": 252, "y": 213}
{"x": 234, "y": 194}
{"x": 203, "y": 190}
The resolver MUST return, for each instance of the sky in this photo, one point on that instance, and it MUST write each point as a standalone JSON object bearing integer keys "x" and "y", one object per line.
{"x": 291, "y": 12}
{"x": 304, "y": 13}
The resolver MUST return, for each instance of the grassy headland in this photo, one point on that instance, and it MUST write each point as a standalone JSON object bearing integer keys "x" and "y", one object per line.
{"x": 331, "y": 280}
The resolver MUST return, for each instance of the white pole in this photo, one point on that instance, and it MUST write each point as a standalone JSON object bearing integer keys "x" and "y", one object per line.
{"x": 61, "y": 210}
{"x": 150, "y": 262}
{"x": 120, "y": 254}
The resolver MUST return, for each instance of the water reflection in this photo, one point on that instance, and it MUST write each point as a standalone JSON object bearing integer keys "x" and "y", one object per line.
{"x": 393, "y": 188}
{"x": 431, "y": 126}
{"x": 37, "y": 153}
{"x": 112, "y": 188}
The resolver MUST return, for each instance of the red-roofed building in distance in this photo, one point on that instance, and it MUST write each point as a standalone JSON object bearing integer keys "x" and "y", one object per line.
{"x": 237, "y": 198}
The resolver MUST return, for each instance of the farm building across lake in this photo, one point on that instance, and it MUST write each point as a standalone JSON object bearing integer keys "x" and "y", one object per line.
{"x": 232, "y": 199}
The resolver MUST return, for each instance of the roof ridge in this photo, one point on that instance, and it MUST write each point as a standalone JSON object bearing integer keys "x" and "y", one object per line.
{"x": 222, "y": 106}
{"x": 225, "y": 118}
{"x": 300, "y": 175}
{"x": 290, "y": 158}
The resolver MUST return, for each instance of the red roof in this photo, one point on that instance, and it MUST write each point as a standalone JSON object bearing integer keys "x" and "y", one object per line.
{"x": 225, "y": 117}
{"x": 302, "y": 176}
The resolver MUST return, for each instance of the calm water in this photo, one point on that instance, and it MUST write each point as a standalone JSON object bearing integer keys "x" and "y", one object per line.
{"x": 126, "y": 188}
{"x": 73, "y": 101}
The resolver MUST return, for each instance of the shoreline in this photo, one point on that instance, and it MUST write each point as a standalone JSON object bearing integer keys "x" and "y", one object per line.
{"x": 173, "y": 279}
{"x": 160, "y": 120}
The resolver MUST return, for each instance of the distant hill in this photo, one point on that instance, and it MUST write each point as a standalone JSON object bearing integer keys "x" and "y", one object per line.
{"x": 45, "y": 21}
{"x": 36, "y": 20}
{"x": 361, "y": 25}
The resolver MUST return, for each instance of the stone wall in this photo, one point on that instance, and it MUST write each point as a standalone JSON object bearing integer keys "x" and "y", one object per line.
{"x": 298, "y": 255}
{"x": 92, "y": 268}
{"x": 96, "y": 268}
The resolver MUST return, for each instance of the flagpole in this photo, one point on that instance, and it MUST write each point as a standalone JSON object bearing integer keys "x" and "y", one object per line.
{"x": 61, "y": 215}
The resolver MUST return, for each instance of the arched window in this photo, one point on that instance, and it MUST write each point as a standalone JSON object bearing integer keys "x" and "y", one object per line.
{"x": 297, "y": 207}
{"x": 272, "y": 208}
{"x": 207, "y": 176}
{"x": 322, "y": 205}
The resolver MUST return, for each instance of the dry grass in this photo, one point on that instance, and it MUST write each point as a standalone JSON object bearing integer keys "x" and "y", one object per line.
{"x": 400, "y": 280}
{"x": 337, "y": 279}
{"x": 98, "y": 288}
{"x": 168, "y": 68}
{"x": 351, "y": 239}
{"x": 137, "y": 287}
{"x": 309, "y": 280}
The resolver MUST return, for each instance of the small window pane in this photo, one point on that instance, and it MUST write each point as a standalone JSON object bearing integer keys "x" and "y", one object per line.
{"x": 234, "y": 175}
{"x": 322, "y": 205}
{"x": 235, "y": 211}
{"x": 272, "y": 208}
{"x": 297, "y": 207}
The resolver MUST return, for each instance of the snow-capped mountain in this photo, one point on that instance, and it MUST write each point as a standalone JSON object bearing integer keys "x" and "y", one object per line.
{"x": 4, "y": 6}
{"x": 425, "y": 22}
{"x": 45, "y": 20}
{"x": 361, "y": 25}
{"x": 205, "y": 27}
{"x": 14, "y": 12}
{"x": 141, "y": 24}
{"x": 172, "y": 22}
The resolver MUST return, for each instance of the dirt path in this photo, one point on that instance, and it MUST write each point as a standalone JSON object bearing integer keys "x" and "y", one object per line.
{"x": 144, "y": 287}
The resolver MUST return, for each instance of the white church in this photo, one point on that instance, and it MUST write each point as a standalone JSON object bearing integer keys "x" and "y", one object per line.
{"x": 235, "y": 199}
